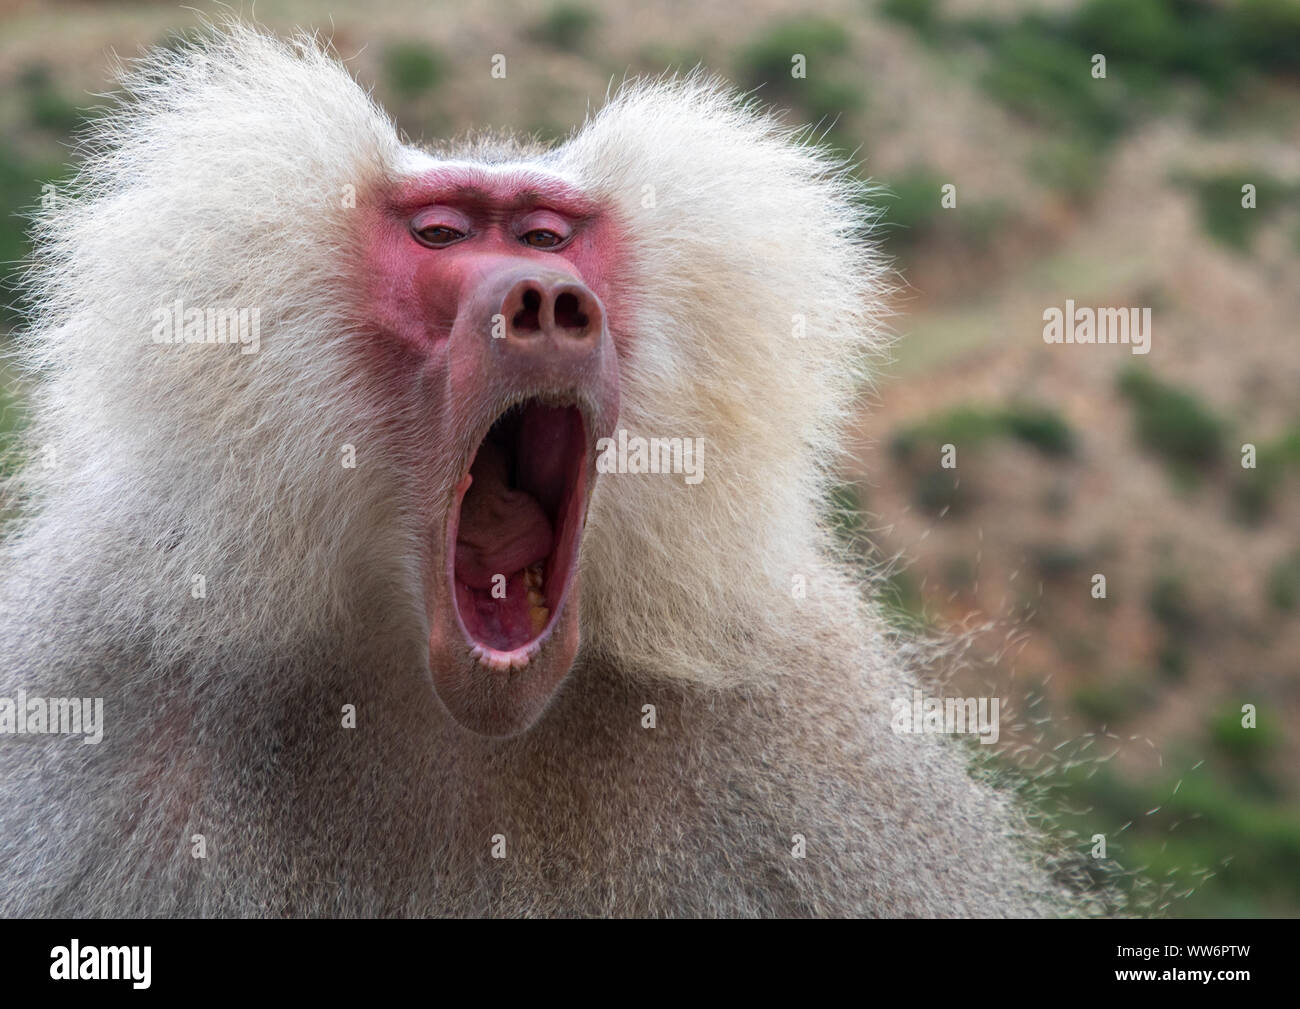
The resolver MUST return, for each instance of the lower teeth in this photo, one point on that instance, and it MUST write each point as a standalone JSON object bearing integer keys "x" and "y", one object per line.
{"x": 538, "y": 614}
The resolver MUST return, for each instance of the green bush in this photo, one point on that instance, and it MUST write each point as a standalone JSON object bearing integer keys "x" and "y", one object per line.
{"x": 47, "y": 107}
{"x": 1150, "y": 42}
{"x": 824, "y": 94}
{"x": 1266, "y": 33}
{"x": 1170, "y": 603}
{"x": 922, "y": 16}
{"x": 412, "y": 68}
{"x": 1283, "y": 586}
{"x": 1073, "y": 166}
{"x": 937, "y": 490}
{"x": 20, "y": 191}
{"x": 768, "y": 57}
{"x": 1172, "y": 660}
{"x": 566, "y": 27}
{"x": 1255, "y": 489}
{"x": 1222, "y": 215}
{"x": 1171, "y": 422}
{"x": 912, "y": 211}
{"x": 1181, "y": 838}
{"x": 1039, "y": 66}
{"x": 1114, "y": 703}
{"x": 1239, "y": 742}
{"x": 1048, "y": 80}
{"x": 911, "y": 215}
{"x": 1262, "y": 877}
{"x": 1040, "y": 427}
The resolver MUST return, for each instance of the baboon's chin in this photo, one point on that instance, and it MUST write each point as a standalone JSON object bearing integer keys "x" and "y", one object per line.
{"x": 505, "y": 635}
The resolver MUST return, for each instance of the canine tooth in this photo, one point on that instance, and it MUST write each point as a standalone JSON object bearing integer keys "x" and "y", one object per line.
{"x": 538, "y": 615}
{"x": 535, "y": 598}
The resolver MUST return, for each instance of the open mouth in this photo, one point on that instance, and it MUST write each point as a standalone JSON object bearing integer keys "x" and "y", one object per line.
{"x": 514, "y": 530}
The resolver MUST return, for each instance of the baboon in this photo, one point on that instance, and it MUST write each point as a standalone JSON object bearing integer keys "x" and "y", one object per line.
{"x": 387, "y": 615}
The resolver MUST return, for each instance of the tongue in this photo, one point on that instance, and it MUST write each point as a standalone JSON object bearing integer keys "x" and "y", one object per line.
{"x": 502, "y": 529}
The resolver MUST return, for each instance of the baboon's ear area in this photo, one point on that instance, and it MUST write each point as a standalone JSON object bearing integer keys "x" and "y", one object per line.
{"x": 746, "y": 241}
{"x": 223, "y": 157}
{"x": 707, "y": 177}
{"x": 248, "y": 105}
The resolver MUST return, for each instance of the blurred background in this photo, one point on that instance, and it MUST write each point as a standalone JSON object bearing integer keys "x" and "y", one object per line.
{"x": 1073, "y": 460}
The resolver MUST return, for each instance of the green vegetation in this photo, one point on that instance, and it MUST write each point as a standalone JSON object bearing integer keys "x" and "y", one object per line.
{"x": 1239, "y": 742}
{"x": 922, "y": 16}
{"x": 47, "y": 111}
{"x": 1039, "y": 64}
{"x": 1172, "y": 422}
{"x": 20, "y": 192}
{"x": 412, "y": 68}
{"x": 1170, "y": 604}
{"x": 566, "y": 27}
{"x": 902, "y": 602}
{"x": 912, "y": 215}
{"x": 1213, "y": 848}
{"x": 938, "y": 490}
{"x": 1171, "y": 659}
{"x": 1228, "y": 832}
{"x": 844, "y": 513}
{"x": 1112, "y": 703}
{"x": 1219, "y": 197}
{"x": 1254, "y": 491}
{"x": 1223, "y": 216}
{"x": 823, "y": 95}
{"x": 1047, "y": 80}
{"x": 1147, "y": 43}
{"x": 11, "y": 423}
{"x": 1264, "y": 34}
{"x": 1283, "y": 587}
{"x": 1072, "y": 166}
{"x": 1040, "y": 427}
{"x": 47, "y": 107}
{"x": 911, "y": 207}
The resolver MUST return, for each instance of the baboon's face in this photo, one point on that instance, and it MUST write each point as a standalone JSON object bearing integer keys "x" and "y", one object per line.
{"x": 488, "y": 300}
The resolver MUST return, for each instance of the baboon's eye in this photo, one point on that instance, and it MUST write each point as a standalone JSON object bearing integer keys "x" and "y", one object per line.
{"x": 439, "y": 226}
{"x": 437, "y": 236}
{"x": 542, "y": 238}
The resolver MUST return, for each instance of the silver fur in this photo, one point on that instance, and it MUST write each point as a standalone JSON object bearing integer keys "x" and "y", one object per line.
{"x": 219, "y": 182}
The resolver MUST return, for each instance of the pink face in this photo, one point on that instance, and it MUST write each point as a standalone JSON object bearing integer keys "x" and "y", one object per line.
{"x": 488, "y": 295}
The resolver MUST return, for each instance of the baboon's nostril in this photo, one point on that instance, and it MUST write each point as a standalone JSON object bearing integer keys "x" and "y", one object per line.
{"x": 569, "y": 313}
{"x": 528, "y": 318}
